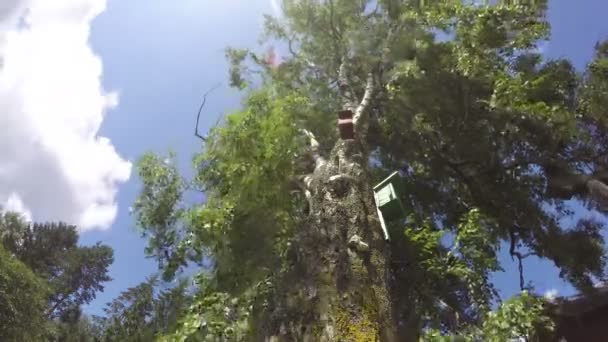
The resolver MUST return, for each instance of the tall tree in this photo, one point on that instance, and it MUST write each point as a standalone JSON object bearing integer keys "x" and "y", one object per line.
{"x": 143, "y": 312}
{"x": 491, "y": 141}
{"x": 74, "y": 273}
{"x": 22, "y": 301}
{"x": 75, "y": 327}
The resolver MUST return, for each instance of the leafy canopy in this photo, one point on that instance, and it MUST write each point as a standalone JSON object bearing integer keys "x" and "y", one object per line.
{"x": 143, "y": 312}
{"x": 50, "y": 250}
{"x": 22, "y": 301}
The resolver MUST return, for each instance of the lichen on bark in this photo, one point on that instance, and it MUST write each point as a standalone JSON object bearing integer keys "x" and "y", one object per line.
{"x": 346, "y": 291}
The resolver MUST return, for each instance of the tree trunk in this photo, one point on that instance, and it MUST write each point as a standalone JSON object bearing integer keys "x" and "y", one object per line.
{"x": 339, "y": 285}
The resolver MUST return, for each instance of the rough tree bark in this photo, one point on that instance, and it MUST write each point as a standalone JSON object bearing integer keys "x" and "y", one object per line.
{"x": 341, "y": 278}
{"x": 339, "y": 286}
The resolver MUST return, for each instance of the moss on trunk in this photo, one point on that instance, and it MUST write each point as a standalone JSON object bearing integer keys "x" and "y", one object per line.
{"x": 335, "y": 290}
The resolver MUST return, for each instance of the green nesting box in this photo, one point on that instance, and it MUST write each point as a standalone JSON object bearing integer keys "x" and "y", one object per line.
{"x": 388, "y": 197}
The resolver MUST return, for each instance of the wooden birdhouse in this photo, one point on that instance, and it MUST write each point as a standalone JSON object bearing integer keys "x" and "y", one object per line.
{"x": 387, "y": 195}
{"x": 346, "y": 125}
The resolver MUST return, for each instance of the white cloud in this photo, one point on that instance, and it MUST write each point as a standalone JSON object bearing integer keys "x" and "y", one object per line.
{"x": 14, "y": 204}
{"x": 52, "y": 162}
{"x": 551, "y": 294}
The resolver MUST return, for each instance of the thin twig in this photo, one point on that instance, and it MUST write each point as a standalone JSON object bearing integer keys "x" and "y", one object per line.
{"x": 198, "y": 116}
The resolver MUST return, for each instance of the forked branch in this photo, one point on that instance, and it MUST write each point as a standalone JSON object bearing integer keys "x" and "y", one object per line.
{"x": 198, "y": 116}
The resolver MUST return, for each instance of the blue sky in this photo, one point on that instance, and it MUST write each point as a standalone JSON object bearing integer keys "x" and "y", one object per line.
{"x": 162, "y": 55}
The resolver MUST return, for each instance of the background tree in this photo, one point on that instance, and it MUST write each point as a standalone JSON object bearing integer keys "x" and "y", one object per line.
{"x": 70, "y": 275}
{"x": 74, "y": 273}
{"x": 22, "y": 301}
{"x": 143, "y": 312}
{"x": 492, "y": 142}
{"x": 77, "y": 327}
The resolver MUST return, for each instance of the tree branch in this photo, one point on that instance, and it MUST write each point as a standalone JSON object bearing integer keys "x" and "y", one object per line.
{"x": 520, "y": 257}
{"x": 344, "y": 87}
{"x": 295, "y": 55}
{"x": 56, "y": 305}
{"x": 314, "y": 148}
{"x": 360, "y": 116}
{"x": 198, "y": 116}
{"x": 370, "y": 87}
{"x": 302, "y": 184}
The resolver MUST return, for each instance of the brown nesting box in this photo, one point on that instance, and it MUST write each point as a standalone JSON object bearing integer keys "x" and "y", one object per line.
{"x": 346, "y": 125}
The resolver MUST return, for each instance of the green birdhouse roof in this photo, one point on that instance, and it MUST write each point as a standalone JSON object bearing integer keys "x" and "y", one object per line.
{"x": 394, "y": 178}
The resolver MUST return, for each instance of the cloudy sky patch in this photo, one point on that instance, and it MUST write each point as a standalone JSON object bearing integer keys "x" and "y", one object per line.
{"x": 53, "y": 164}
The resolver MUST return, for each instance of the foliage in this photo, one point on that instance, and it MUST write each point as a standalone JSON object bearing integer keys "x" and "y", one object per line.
{"x": 22, "y": 301}
{"x": 492, "y": 141}
{"x": 215, "y": 314}
{"x": 451, "y": 284}
{"x": 77, "y": 328}
{"x": 57, "y": 277}
{"x": 233, "y": 176}
{"x": 74, "y": 273}
{"x": 143, "y": 312}
{"x": 521, "y": 317}
{"x": 158, "y": 209}
{"x": 127, "y": 314}
{"x": 232, "y": 166}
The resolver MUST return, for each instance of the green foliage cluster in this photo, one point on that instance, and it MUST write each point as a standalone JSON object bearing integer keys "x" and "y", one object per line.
{"x": 143, "y": 312}
{"x": 22, "y": 301}
{"x": 245, "y": 173}
{"x": 46, "y": 277}
{"x": 521, "y": 317}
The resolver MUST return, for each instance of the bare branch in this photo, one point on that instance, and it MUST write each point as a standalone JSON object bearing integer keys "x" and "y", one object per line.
{"x": 198, "y": 116}
{"x": 314, "y": 147}
{"x": 313, "y": 140}
{"x": 371, "y": 84}
{"x": 51, "y": 311}
{"x": 520, "y": 257}
{"x": 294, "y": 53}
{"x": 342, "y": 177}
{"x": 301, "y": 184}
